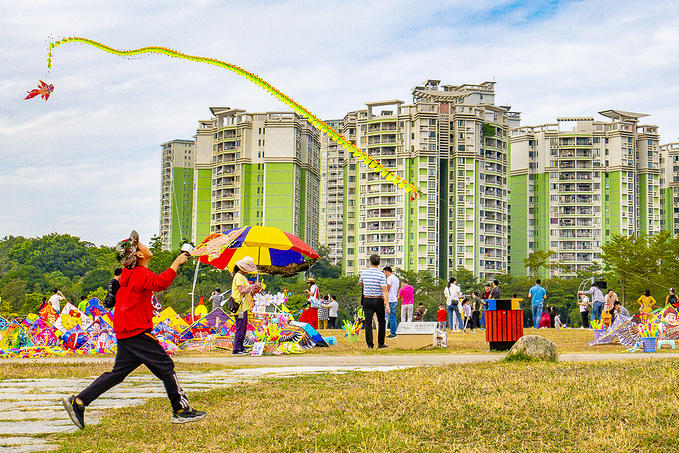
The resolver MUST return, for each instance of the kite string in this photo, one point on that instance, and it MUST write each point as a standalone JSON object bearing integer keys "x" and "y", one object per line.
{"x": 361, "y": 155}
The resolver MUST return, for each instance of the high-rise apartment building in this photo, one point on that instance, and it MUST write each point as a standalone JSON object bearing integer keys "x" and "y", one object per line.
{"x": 453, "y": 143}
{"x": 669, "y": 187}
{"x": 331, "y": 194}
{"x": 577, "y": 182}
{"x": 265, "y": 171}
{"x": 176, "y": 192}
{"x": 202, "y": 181}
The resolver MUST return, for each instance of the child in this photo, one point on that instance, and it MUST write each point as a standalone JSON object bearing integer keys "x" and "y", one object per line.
{"x": 467, "y": 315}
{"x": 132, "y": 325}
{"x": 442, "y": 316}
{"x": 420, "y": 311}
{"x": 557, "y": 322}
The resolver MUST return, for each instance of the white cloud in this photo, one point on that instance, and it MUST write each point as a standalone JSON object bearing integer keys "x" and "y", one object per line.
{"x": 61, "y": 159}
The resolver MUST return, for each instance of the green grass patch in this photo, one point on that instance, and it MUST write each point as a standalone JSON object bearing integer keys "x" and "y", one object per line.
{"x": 489, "y": 407}
{"x": 523, "y": 357}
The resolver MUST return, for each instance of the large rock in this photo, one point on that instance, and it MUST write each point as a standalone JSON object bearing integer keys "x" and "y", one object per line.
{"x": 535, "y": 347}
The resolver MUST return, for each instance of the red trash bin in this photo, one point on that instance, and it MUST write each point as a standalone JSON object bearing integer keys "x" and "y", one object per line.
{"x": 504, "y": 323}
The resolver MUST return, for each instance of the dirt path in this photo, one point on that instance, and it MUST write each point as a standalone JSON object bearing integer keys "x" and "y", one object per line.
{"x": 357, "y": 360}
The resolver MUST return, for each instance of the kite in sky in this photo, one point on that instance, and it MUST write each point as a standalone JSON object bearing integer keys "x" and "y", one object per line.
{"x": 43, "y": 90}
{"x": 359, "y": 154}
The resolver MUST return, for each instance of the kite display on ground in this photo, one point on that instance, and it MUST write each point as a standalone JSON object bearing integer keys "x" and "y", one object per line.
{"x": 359, "y": 154}
{"x": 44, "y": 90}
{"x": 661, "y": 324}
{"x": 75, "y": 332}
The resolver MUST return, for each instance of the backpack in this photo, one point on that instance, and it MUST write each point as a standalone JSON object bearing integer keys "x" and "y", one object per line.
{"x": 110, "y": 300}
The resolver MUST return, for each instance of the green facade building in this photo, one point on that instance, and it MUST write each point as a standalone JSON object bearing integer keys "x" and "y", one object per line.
{"x": 176, "y": 192}
{"x": 452, "y": 142}
{"x": 265, "y": 171}
{"x": 578, "y": 182}
{"x": 669, "y": 187}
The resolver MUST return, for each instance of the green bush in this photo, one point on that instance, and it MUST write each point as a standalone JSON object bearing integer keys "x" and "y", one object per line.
{"x": 488, "y": 130}
{"x": 296, "y": 302}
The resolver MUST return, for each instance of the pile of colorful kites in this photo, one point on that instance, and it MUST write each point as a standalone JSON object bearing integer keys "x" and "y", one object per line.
{"x": 91, "y": 332}
{"x": 660, "y": 324}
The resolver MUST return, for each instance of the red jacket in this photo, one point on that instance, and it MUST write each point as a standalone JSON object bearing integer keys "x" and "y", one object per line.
{"x": 133, "y": 313}
{"x": 442, "y": 315}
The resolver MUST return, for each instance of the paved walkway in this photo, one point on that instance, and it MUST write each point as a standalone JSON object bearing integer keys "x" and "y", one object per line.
{"x": 357, "y": 360}
{"x": 31, "y": 408}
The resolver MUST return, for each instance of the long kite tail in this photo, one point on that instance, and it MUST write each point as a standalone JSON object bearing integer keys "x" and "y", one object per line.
{"x": 361, "y": 155}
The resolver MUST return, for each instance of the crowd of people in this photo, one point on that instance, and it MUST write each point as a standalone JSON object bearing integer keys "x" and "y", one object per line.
{"x": 320, "y": 312}
{"x": 606, "y": 307}
{"x": 382, "y": 290}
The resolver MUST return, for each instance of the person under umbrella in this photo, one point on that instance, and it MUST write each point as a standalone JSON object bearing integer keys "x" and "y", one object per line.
{"x": 242, "y": 291}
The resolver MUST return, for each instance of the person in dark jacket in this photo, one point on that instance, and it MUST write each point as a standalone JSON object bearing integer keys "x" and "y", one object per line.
{"x": 113, "y": 287}
{"x": 132, "y": 325}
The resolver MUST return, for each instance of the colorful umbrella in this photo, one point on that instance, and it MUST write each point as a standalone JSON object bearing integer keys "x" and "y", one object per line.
{"x": 274, "y": 251}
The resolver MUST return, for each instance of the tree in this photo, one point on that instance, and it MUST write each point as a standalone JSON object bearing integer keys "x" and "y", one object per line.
{"x": 427, "y": 289}
{"x": 99, "y": 293}
{"x": 539, "y": 259}
{"x": 156, "y": 244}
{"x": 467, "y": 280}
{"x": 636, "y": 263}
{"x": 96, "y": 278}
{"x": 13, "y": 296}
{"x": 323, "y": 268}
{"x": 57, "y": 280}
{"x": 32, "y": 302}
{"x": 55, "y": 252}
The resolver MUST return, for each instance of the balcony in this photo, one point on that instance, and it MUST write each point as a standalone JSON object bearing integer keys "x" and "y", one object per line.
{"x": 381, "y": 226}
{"x": 383, "y": 188}
{"x": 380, "y": 213}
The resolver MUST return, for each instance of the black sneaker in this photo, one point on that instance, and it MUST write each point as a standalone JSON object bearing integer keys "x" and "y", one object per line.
{"x": 382, "y": 346}
{"x": 393, "y": 335}
{"x": 187, "y": 416}
{"x": 75, "y": 411}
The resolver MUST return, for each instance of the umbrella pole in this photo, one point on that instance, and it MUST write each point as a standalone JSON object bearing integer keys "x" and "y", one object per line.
{"x": 193, "y": 289}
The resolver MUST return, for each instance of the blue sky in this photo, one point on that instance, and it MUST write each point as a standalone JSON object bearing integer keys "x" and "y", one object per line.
{"x": 87, "y": 162}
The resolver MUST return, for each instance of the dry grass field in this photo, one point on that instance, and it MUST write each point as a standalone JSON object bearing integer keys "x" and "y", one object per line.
{"x": 490, "y": 407}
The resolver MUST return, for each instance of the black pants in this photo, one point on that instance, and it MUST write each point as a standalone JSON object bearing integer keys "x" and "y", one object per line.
{"x": 584, "y": 318}
{"x": 132, "y": 352}
{"x": 331, "y": 322}
{"x": 374, "y": 306}
{"x": 475, "y": 320}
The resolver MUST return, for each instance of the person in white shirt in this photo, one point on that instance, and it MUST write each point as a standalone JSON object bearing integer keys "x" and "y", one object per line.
{"x": 453, "y": 295}
{"x": 584, "y": 303}
{"x": 55, "y": 300}
{"x": 332, "y": 306}
{"x": 392, "y": 286}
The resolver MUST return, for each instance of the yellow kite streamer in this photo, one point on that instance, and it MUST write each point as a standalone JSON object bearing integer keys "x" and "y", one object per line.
{"x": 361, "y": 155}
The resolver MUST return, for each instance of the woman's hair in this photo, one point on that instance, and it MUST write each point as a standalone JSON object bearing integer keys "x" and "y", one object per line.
{"x": 236, "y": 269}
{"x": 452, "y": 280}
{"x": 647, "y": 293}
